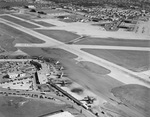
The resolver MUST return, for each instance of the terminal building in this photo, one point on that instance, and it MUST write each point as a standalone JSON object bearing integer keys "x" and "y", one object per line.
{"x": 40, "y": 78}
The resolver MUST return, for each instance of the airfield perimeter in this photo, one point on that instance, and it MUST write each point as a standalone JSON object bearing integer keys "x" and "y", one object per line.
{"x": 118, "y": 75}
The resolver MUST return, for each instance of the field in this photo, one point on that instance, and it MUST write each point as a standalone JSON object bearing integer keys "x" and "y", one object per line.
{"x": 6, "y": 42}
{"x": 18, "y": 35}
{"x": 20, "y": 22}
{"x": 30, "y": 17}
{"x": 44, "y": 24}
{"x": 31, "y": 108}
{"x": 59, "y": 53}
{"x": 50, "y": 11}
{"x": 114, "y": 42}
{"x": 94, "y": 68}
{"x": 133, "y": 60}
{"x": 24, "y": 16}
{"x": 136, "y": 95}
{"x": 2, "y": 11}
{"x": 66, "y": 20}
{"x": 11, "y": 4}
{"x": 60, "y": 35}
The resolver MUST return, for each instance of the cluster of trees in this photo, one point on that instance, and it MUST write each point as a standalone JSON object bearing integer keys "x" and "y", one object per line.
{"x": 140, "y": 3}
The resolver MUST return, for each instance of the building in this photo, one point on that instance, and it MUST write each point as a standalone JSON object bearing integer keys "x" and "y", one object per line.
{"x": 12, "y": 75}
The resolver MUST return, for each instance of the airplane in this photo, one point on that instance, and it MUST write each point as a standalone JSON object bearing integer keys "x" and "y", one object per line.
{"x": 61, "y": 75}
{"x": 89, "y": 99}
{"x": 63, "y": 82}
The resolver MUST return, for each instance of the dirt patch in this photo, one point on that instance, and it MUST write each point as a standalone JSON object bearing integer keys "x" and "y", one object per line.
{"x": 136, "y": 61}
{"x": 135, "y": 95}
{"x": 60, "y": 35}
{"x": 92, "y": 67}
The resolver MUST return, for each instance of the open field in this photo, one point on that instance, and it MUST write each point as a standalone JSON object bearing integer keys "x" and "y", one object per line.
{"x": 44, "y": 24}
{"x": 2, "y": 11}
{"x": 17, "y": 21}
{"x": 11, "y": 4}
{"x": 24, "y": 16}
{"x": 114, "y": 42}
{"x": 50, "y": 11}
{"x": 6, "y": 42}
{"x": 29, "y": 17}
{"x": 133, "y": 60}
{"x": 136, "y": 95}
{"x": 92, "y": 67}
{"x": 30, "y": 108}
{"x": 18, "y": 35}
{"x": 59, "y": 53}
{"x": 66, "y": 20}
{"x": 60, "y": 35}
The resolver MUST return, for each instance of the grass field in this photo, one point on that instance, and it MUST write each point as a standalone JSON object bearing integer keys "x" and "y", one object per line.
{"x": 11, "y": 4}
{"x": 66, "y": 20}
{"x": 6, "y": 42}
{"x": 29, "y": 17}
{"x": 31, "y": 108}
{"x": 59, "y": 53}
{"x": 60, "y": 35}
{"x": 136, "y": 95}
{"x": 94, "y": 68}
{"x": 134, "y": 60}
{"x": 23, "y": 16}
{"x": 20, "y": 22}
{"x": 2, "y": 11}
{"x": 18, "y": 35}
{"x": 114, "y": 42}
{"x": 44, "y": 24}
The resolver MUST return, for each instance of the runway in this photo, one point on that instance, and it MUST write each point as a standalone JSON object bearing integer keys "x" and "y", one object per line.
{"x": 117, "y": 72}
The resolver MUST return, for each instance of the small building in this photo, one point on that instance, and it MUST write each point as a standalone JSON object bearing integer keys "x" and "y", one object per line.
{"x": 31, "y": 7}
{"x": 12, "y": 75}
